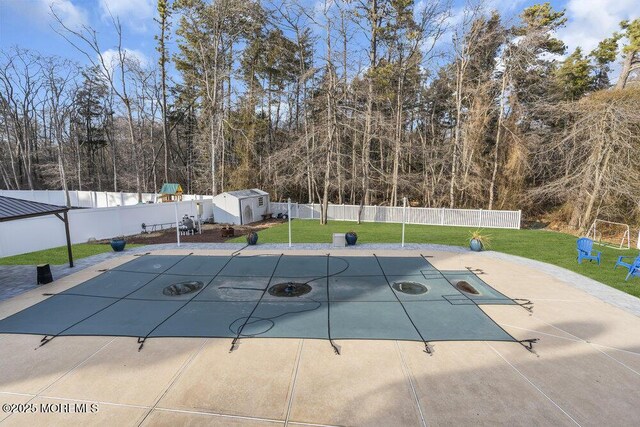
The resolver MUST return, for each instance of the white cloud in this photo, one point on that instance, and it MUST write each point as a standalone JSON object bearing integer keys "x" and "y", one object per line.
{"x": 135, "y": 13}
{"x": 39, "y": 11}
{"x": 71, "y": 15}
{"x": 111, "y": 57}
{"x": 590, "y": 21}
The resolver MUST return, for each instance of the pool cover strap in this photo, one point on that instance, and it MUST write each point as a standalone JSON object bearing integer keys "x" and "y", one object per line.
{"x": 46, "y": 340}
{"x": 264, "y": 291}
{"x": 525, "y": 303}
{"x": 333, "y": 345}
{"x": 427, "y": 347}
{"x": 141, "y": 340}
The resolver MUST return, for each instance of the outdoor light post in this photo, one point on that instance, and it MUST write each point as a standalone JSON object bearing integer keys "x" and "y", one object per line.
{"x": 404, "y": 217}
{"x": 289, "y": 218}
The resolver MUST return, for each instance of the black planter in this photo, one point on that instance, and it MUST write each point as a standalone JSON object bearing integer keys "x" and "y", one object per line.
{"x": 118, "y": 244}
{"x": 44, "y": 274}
{"x": 351, "y": 238}
{"x": 252, "y": 238}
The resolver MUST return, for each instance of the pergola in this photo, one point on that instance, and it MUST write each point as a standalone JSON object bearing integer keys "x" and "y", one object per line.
{"x": 13, "y": 209}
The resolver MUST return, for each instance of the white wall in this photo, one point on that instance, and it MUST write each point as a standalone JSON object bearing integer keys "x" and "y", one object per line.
{"x": 46, "y": 232}
{"x": 88, "y": 199}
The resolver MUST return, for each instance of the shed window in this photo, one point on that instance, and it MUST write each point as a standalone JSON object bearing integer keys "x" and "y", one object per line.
{"x": 260, "y": 201}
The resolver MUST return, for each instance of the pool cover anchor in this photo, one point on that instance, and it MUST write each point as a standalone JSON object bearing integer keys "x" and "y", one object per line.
{"x": 238, "y": 251}
{"x": 428, "y": 348}
{"x": 336, "y": 349}
{"x": 527, "y": 304}
{"x": 141, "y": 341}
{"x": 45, "y": 340}
{"x": 528, "y": 344}
{"x": 476, "y": 271}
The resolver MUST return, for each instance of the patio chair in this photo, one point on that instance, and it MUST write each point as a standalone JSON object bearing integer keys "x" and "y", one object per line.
{"x": 633, "y": 267}
{"x": 585, "y": 247}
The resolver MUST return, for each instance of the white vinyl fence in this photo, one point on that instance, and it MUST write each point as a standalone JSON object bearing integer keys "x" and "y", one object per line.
{"x": 425, "y": 216}
{"x": 32, "y": 234}
{"x": 88, "y": 199}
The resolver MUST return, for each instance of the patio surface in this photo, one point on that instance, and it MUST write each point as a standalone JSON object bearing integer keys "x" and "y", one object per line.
{"x": 586, "y": 371}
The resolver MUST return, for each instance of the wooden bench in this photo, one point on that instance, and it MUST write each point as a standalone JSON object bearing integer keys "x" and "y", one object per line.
{"x": 266, "y": 216}
{"x": 150, "y": 228}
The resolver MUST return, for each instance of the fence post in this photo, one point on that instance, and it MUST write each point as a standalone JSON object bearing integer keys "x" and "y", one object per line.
{"x": 122, "y": 201}
{"x": 519, "y": 218}
{"x": 480, "y": 219}
{"x": 441, "y": 216}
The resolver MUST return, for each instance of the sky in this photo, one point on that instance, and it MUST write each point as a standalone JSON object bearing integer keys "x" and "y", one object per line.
{"x": 29, "y": 24}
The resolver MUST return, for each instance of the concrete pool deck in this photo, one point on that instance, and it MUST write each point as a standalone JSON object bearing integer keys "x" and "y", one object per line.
{"x": 586, "y": 371}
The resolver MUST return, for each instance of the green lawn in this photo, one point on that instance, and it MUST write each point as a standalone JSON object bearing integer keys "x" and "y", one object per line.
{"x": 547, "y": 246}
{"x": 58, "y": 255}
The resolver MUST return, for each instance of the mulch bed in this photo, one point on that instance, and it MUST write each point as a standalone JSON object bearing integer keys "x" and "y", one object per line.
{"x": 210, "y": 234}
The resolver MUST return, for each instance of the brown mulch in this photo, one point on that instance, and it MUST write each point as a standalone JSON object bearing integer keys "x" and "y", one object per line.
{"x": 210, "y": 233}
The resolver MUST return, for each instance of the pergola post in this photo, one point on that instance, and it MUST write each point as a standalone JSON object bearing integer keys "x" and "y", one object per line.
{"x": 66, "y": 230}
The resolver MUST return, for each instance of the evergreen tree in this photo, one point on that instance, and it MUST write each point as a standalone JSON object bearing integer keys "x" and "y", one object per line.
{"x": 631, "y": 53}
{"x": 574, "y": 76}
{"x": 90, "y": 118}
{"x": 603, "y": 56}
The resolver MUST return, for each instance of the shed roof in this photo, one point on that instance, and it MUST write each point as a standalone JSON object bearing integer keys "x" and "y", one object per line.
{"x": 168, "y": 188}
{"x": 11, "y": 209}
{"x": 243, "y": 194}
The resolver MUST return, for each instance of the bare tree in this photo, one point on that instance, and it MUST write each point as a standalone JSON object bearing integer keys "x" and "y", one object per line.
{"x": 116, "y": 74}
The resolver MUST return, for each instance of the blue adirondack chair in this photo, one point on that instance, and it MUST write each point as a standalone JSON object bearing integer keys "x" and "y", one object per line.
{"x": 585, "y": 247}
{"x": 633, "y": 267}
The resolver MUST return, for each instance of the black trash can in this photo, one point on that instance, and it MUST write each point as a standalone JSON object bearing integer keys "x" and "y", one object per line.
{"x": 44, "y": 274}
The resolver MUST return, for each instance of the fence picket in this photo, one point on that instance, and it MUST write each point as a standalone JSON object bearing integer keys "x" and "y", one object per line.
{"x": 422, "y": 216}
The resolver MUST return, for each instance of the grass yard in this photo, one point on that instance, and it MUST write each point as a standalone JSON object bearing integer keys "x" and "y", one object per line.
{"x": 547, "y": 246}
{"x": 58, "y": 255}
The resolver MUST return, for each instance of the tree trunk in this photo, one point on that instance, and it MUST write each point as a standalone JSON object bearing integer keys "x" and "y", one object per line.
{"x": 366, "y": 137}
{"x": 627, "y": 67}
{"x": 397, "y": 141}
{"x": 494, "y": 173}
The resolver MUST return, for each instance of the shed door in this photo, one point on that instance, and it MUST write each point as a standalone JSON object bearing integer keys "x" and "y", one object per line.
{"x": 247, "y": 212}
